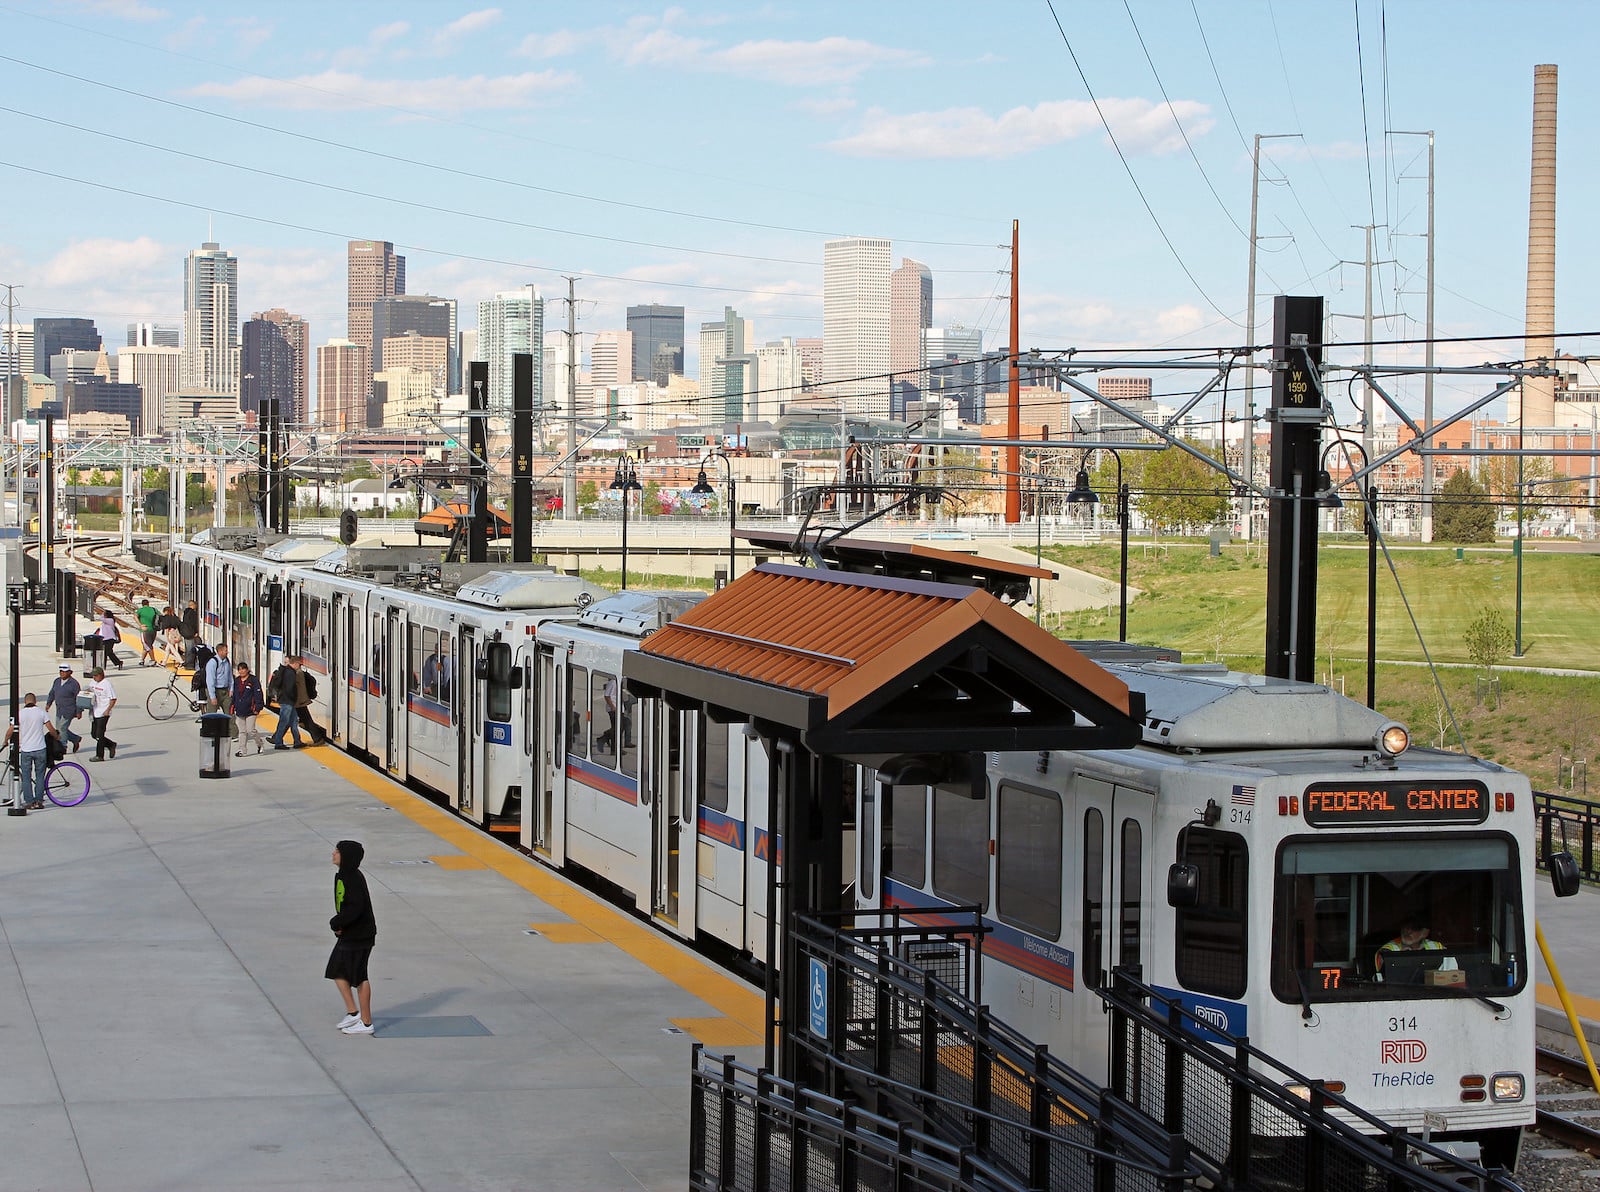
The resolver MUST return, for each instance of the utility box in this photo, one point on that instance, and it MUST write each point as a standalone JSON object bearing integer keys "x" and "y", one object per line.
{"x": 92, "y": 642}
{"x": 216, "y": 731}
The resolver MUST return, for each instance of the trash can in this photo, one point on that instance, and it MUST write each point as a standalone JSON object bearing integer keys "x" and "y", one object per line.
{"x": 91, "y": 651}
{"x": 215, "y": 730}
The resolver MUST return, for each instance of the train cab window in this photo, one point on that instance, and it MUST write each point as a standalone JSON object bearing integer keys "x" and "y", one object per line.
{"x": 716, "y": 790}
{"x": 314, "y": 620}
{"x": 961, "y": 846}
{"x": 1130, "y": 909}
{"x": 605, "y": 717}
{"x": 630, "y": 734}
{"x": 905, "y": 835}
{"x": 1340, "y": 904}
{"x": 497, "y": 686}
{"x": 415, "y": 654}
{"x": 578, "y": 712}
{"x": 1212, "y": 935}
{"x": 1028, "y": 852}
{"x": 1094, "y": 893}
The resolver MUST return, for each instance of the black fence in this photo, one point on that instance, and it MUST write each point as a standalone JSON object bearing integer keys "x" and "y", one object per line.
{"x": 1245, "y": 1125}
{"x": 1568, "y": 825}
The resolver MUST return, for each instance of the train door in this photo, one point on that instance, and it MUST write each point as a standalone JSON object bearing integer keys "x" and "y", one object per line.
{"x": 339, "y": 639}
{"x": 547, "y": 818}
{"x": 672, "y": 760}
{"x": 394, "y": 691}
{"x": 1113, "y": 891}
{"x": 468, "y": 712}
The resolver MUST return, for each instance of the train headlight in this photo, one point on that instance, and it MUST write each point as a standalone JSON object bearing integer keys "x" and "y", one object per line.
{"x": 1506, "y": 1086}
{"x": 1392, "y": 739}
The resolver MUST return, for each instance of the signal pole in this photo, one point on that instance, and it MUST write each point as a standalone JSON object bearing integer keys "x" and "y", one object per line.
{"x": 569, "y": 470}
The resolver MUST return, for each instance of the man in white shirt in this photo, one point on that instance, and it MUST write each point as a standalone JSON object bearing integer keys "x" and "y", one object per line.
{"x": 105, "y": 698}
{"x": 219, "y": 678}
{"x": 32, "y": 729}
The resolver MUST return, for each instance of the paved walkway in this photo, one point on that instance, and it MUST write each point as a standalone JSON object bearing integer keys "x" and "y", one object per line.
{"x": 164, "y": 1022}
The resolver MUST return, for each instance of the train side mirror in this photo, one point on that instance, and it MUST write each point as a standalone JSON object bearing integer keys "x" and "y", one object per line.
{"x": 480, "y": 669}
{"x": 1564, "y": 875}
{"x": 514, "y": 680}
{"x": 1183, "y": 885}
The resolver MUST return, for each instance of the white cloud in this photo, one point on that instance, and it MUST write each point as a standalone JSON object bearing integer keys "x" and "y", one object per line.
{"x": 384, "y": 34}
{"x": 825, "y": 62}
{"x": 102, "y": 261}
{"x": 445, "y": 40}
{"x": 124, "y": 10}
{"x": 342, "y": 90}
{"x": 1140, "y": 127}
{"x": 824, "y": 107}
{"x": 557, "y": 44}
{"x": 249, "y": 33}
{"x": 658, "y": 47}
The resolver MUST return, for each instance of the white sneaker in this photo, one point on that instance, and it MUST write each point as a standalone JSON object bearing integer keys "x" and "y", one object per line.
{"x": 349, "y": 1020}
{"x": 358, "y": 1028}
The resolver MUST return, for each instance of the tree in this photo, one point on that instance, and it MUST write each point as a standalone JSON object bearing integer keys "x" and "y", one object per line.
{"x": 588, "y": 495}
{"x": 1182, "y": 493}
{"x": 1488, "y": 639}
{"x": 1462, "y": 511}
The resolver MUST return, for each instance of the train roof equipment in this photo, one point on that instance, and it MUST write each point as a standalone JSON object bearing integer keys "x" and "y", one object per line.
{"x": 299, "y": 550}
{"x": 638, "y": 613}
{"x": 528, "y": 590}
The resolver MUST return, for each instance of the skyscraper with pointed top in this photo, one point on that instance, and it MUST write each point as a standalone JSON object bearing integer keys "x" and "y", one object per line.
{"x": 210, "y": 360}
{"x": 373, "y": 271}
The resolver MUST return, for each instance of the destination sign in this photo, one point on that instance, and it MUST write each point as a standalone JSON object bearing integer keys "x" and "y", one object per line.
{"x": 1351, "y": 805}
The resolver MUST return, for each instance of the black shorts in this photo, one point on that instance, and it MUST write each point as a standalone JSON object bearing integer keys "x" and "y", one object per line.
{"x": 349, "y": 962}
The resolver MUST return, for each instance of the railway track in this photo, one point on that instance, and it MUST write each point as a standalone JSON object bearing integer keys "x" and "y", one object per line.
{"x": 113, "y": 578}
{"x": 1560, "y": 1127}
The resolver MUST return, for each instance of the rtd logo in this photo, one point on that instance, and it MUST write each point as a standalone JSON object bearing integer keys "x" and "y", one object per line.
{"x": 1217, "y": 1018}
{"x": 1403, "y": 1051}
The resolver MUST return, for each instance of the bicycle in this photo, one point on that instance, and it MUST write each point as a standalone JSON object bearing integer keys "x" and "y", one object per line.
{"x": 66, "y": 784}
{"x": 163, "y": 703}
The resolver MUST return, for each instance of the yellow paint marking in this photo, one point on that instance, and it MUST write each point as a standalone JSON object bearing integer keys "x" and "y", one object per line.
{"x": 458, "y": 862}
{"x": 719, "y": 1032}
{"x": 1587, "y": 1007}
{"x": 566, "y": 933}
{"x": 712, "y": 986}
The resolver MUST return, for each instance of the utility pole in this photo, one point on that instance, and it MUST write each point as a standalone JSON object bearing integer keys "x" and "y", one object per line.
{"x": 569, "y": 471}
{"x": 13, "y": 411}
{"x": 1366, "y": 335}
{"x": 1426, "y": 526}
{"x": 1013, "y": 454}
{"x": 1250, "y": 336}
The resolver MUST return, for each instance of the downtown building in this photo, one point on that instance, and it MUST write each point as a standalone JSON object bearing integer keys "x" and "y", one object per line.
{"x": 508, "y": 323}
{"x": 727, "y": 368}
{"x": 53, "y": 336}
{"x": 210, "y": 362}
{"x": 297, "y": 334}
{"x": 266, "y": 369}
{"x": 855, "y": 324}
{"x": 910, "y": 317}
{"x": 657, "y": 342}
{"x": 344, "y": 374}
{"x": 153, "y": 335}
{"x": 373, "y": 270}
{"x": 155, "y": 370}
{"x": 418, "y": 314}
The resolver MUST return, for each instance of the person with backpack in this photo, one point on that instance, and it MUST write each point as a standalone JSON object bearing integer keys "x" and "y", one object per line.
{"x": 282, "y": 690}
{"x": 170, "y": 636}
{"x": 305, "y": 694}
{"x": 189, "y": 629}
{"x": 199, "y": 682}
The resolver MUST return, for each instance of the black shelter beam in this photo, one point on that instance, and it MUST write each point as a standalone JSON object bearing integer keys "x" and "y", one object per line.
{"x": 522, "y": 457}
{"x": 1296, "y": 413}
{"x": 478, "y": 463}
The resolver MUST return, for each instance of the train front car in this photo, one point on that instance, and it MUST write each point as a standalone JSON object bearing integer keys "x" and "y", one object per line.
{"x": 1365, "y": 909}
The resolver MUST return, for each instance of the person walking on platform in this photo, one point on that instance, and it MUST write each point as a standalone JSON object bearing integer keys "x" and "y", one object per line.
{"x": 219, "y": 678}
{"x": 189, "y": 630}
{"x": 305, "y": 693}
{"x": 62, "y": 701}
{"x": 247, "y": 704}
{"x": 281, "y": 689}
{"x": 110, "y": 635}
{"x": 357, "y": 930}
{"x": 147, "y": 617}
{"x": 170, "y": 636}
{"x": 33, "y": 730}
{"x": 105, "y": 698}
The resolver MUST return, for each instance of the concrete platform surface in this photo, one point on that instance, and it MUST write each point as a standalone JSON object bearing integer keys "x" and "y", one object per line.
{"x": 164, "y": 1021}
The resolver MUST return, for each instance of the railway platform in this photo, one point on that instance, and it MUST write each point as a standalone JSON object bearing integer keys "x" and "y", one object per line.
{"x": 166, "y": 1024}
{"x": 1572, "y": 931}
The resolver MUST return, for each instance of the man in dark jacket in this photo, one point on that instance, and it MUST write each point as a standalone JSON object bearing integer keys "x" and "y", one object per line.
{"x": 62, "y": 702}
{"x": 281, "y": 693}
{"x": 189, "y": 629}
{"x": 357, "y": 930}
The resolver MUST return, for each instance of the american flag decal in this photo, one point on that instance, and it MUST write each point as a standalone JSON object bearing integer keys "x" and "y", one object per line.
{"x": 1244, "y": 796}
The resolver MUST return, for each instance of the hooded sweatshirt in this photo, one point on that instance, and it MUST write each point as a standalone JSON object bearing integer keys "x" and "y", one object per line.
{"x": 352, "y": 905}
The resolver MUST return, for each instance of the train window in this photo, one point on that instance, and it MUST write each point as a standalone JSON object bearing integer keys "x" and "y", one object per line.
{"x": 578, "y": 712}
{"x": 429, "y": 674}
{"x": 868, "y": 884}
{"x": 603, "y": 718}
{"x": 630, "y": 735}
{"x": 415, "y": 656}
{"x": 1340, "y": 905}
{"x": 905, "y": 835}
{"x": 497, "y": 688}
{"x": 1028, "y": 860}
{"x": 716, "y": 791}
{"x": 1211, "y": 935}
{"x": 1094, "y": 897}
{"x": 314, "y": 617}
{"x": 1130, "y": 910}
{"x": 961, "y": 846}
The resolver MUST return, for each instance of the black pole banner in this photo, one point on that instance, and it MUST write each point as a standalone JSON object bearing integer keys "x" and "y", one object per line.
{"x": 478, "y": 464}
{"x": 522, "y": 457}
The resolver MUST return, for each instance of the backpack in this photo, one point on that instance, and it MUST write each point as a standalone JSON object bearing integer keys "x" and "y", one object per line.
{"x": 203, "y": 654}
{"x": 281, "y": 677}
{"x": 311, "y": 685}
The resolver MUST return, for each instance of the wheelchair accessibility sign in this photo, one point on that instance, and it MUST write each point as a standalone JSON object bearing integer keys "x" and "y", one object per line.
{"x": 818, "y": 1000}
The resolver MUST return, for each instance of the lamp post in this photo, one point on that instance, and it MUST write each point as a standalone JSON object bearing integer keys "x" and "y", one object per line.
{"x": 1082, "y": 494}
{"x": 625, "y": 481}
{"x": 1329, "y": 499}
{"x": 702, "y": 486}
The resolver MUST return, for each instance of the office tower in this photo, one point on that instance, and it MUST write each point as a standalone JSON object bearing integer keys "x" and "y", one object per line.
{"x": 425, "y": 355}
{"x": 152, "y": 335}
{"x": 51, "y": 336}
{"x": 778, "y": 373}
{"x": 727, "y": 368}
{"x": 466, "y": 349}
{"x": 16, "y": 349}
{"x": 554, "y": 372}
{"x": 657, "y": 342}
{"x": 810, "y": 361}
{"x": 266, "y": 368}
{"x": 99, "y": 396}
{"x": 855, "y": 323}
{"x": 611, "y": 358}
{"x": 155, "y": 371}
{"x": 432, "y": 317}
{"x": 373, "y": 270}
{"x": 210, "y": 320}
{"x": 508, "y": 323}
{"x": 344, "y": 369}
{"x": 954, "y": 360}
{"x": 910, "y": 315}
{"x": 297, "y": 334}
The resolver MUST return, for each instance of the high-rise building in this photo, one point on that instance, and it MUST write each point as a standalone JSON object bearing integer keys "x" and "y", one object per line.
{"x": 210, "y": 320}
{"x": 426, "y": 355}
{"x": 152, "y": 335}
{"x": 466, "y": 349}
{"x": 373, "y": 270}
{"x": 611, "y": 358}
{"x": 555, "y": 372}
{"x": 97, "y": 395}
{"x": 657, "y": 342}
{"x": 727, "y": 368}
{"x": 954, "y": 359}
{"x": 433, "y": 318}
{"x": 51, "y": 336}
{"x": 297, "y": 334}
{"x": 778, "y": 371}
{"x": 810, "y": 361}
{"x": 910, "y": 315}
{"x": 16, "y": 349}
{"x": 266, "y": 368}
{"x": 344, "y": 369}
{"x": 155, "y": 371}
{"x": 508, "y": 323}
{"x": 855, "y": 323}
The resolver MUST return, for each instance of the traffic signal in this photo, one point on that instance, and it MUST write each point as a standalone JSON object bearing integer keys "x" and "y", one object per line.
{"x": 347, "y": 527}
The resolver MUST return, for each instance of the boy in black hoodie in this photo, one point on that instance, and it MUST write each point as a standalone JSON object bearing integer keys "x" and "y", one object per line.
{"x": 357, "y": 929}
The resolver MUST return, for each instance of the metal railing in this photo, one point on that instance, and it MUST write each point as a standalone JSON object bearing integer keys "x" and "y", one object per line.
{"x": 1568, "y": 824}
{"x": 1233, "y": 1104}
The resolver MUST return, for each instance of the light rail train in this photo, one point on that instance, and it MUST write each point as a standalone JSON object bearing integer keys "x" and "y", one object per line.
{"x": 1256, "y": 857}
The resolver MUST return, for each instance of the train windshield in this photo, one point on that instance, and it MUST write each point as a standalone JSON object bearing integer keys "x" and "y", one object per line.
{"x": 1367, "y": 919}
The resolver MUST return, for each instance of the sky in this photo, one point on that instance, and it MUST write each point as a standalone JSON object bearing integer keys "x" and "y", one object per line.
{"x": 700, "y": 155}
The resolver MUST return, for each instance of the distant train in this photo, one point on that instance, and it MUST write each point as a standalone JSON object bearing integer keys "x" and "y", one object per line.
{"x": 1264, "y": 856}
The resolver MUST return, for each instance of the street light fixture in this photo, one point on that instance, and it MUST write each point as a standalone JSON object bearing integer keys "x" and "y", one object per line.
{"x": 625, "y": 481}
{"x": 1082, "y": 494}
{"x": 702, "y": 487}
{"x": 1328, "y": 498}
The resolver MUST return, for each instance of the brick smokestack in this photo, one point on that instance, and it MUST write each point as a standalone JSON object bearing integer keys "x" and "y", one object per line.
{"x": 1539, "y": 394}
